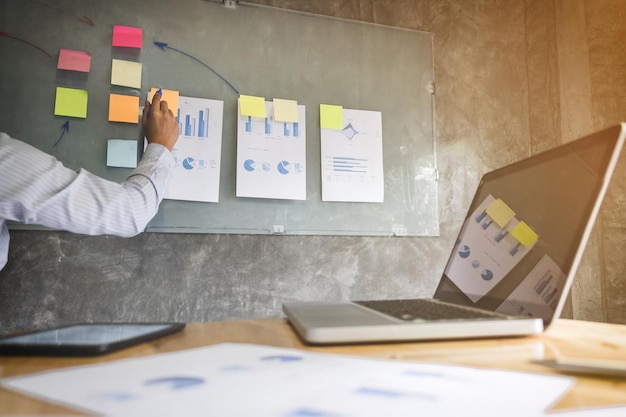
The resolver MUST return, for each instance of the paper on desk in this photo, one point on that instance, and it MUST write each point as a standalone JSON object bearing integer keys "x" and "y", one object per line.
{"x": 250, "y": 380}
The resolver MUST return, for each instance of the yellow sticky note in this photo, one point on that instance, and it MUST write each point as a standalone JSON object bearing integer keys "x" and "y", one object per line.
{"x": 126, "y": 73}
{"x": 286, "y": 110}
{"x": 331, "y": 117}
{"x": 524, "y": 234}
{"x": 500, "y": 212}
{"x": 252, "y": 106}
{"x": 123, "y": 108}
{"x": 171, "y": 96}
{"x": 71, "y": 102}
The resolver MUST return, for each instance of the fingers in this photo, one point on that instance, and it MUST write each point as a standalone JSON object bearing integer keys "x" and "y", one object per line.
{"x": 146, "y": 109}
{"x": 156, "y": 105}
{"x": 163, "y": 106}
{"x": 156, "y": 100}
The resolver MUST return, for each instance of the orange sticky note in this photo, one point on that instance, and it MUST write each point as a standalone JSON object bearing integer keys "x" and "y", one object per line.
{"x": 524, "y": 234}
{"x": 123, "y": 108}
{"x": 170, "y": 96}
{"x": 500, "y": 212}
{"x": 127, "y": 36}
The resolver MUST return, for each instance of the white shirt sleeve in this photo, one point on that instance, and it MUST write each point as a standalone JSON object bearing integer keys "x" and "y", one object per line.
{"x": 35, "y": 188}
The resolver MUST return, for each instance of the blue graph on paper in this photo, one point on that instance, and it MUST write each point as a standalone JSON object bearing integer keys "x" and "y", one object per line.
{"x": 194, "y": 123}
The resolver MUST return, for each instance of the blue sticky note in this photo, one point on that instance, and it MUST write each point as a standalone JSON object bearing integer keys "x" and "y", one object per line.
{"x": 122, "y": 153}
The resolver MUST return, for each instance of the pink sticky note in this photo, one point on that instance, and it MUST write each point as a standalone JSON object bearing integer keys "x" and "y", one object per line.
{"x": 74, "y": 60}
{"x": 126, "y": 36}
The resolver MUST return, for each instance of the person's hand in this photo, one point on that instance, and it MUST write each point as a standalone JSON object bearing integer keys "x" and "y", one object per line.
{"x": 159, "y": 124}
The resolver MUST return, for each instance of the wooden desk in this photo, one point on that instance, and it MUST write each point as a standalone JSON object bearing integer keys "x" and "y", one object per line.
{"x": 565, "y": 337}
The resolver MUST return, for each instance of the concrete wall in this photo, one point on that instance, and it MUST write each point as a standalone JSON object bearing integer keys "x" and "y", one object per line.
{"x": 513, "y": 78}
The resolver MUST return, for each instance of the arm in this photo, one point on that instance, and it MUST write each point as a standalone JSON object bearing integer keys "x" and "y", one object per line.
{"x": 37, "y": 188}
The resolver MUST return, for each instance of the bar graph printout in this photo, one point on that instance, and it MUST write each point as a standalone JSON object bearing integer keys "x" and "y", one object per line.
{"x": 271, "y": 156}
{"x": 352, "y": 158}
{"x": 197, "y": 151}
{"x": 261, "y": 381}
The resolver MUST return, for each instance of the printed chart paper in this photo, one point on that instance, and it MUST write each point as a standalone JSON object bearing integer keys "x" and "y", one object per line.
{"x": 271, "y": 156}
{"x": 198, "y": 151}
{"x": 487, "y": 249}
{"x": 250, "y": 380}
{"x": 352, "y": 157}
{"x": 539, "y": 292}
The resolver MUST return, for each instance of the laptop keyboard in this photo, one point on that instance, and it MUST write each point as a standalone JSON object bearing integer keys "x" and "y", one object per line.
{"x": 426, "y": 309}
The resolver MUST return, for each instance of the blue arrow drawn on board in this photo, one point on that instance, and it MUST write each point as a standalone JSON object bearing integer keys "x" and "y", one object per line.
{"x": 165, "y": 46}
{"x": 64, "y": 128}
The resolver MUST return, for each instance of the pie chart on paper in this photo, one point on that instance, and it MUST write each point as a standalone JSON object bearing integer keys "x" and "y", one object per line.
{"x": 282, "y": 167}
{"x": 188, "y": 163}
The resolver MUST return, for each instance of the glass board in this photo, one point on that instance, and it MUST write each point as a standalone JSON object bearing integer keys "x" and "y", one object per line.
{"x": 260, "y": 51}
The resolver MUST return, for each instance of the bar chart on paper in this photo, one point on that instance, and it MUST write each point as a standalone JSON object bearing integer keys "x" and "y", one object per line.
{"x": 194, "y": 122}
{"x": 197, "y": 151}
{"x": 271, "y": 156}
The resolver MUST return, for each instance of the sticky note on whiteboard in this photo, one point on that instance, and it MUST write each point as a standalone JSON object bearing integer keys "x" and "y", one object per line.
{"x": 252, "y": 106}
{"x": 127, "y": 36}
{"x": 70, "y": 102}
{"x": 123, "y": 108}
{"x": 171, "y": 96}
{"x": 286, "y": 110}
{"x": 122, "y": 153}
{"x": 72, "y": 60}
{"x": 331, "y": 117}
{"x": 126, "y": 73}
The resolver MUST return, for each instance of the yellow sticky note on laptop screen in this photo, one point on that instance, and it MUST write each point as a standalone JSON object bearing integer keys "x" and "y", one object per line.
{"x": 500, "y": 212}
{"x": 524, "y": 234}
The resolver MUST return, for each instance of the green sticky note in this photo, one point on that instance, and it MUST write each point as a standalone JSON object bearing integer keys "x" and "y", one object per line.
{"x": 122, "y": 153}
{"x": 500, "y": 212}
{"x": 286, "y": 110}
{"x": 71, "y": 102}
{"x": 331, "y": 117}
{"x": 524, "y": 234}
{"x": 252, "y": 106}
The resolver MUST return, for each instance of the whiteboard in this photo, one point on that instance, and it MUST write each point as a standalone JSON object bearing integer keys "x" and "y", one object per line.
{"x": 260, "y": 51}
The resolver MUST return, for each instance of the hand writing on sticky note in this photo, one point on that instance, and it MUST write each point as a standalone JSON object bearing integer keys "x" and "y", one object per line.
{"x": 158, "y": 122}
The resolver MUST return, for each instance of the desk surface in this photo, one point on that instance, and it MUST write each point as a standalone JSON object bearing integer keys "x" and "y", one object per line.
{"x": 565, "y": 337}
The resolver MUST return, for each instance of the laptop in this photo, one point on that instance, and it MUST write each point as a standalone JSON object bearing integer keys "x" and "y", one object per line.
{"x": 512, "y": 265}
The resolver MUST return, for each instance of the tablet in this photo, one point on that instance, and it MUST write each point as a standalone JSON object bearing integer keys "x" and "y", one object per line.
{"x": 590, "y": 366}
{"x": 85, "y": 339}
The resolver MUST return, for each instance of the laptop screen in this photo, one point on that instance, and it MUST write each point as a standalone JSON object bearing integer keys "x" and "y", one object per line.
{"x": 526, "y": 229}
